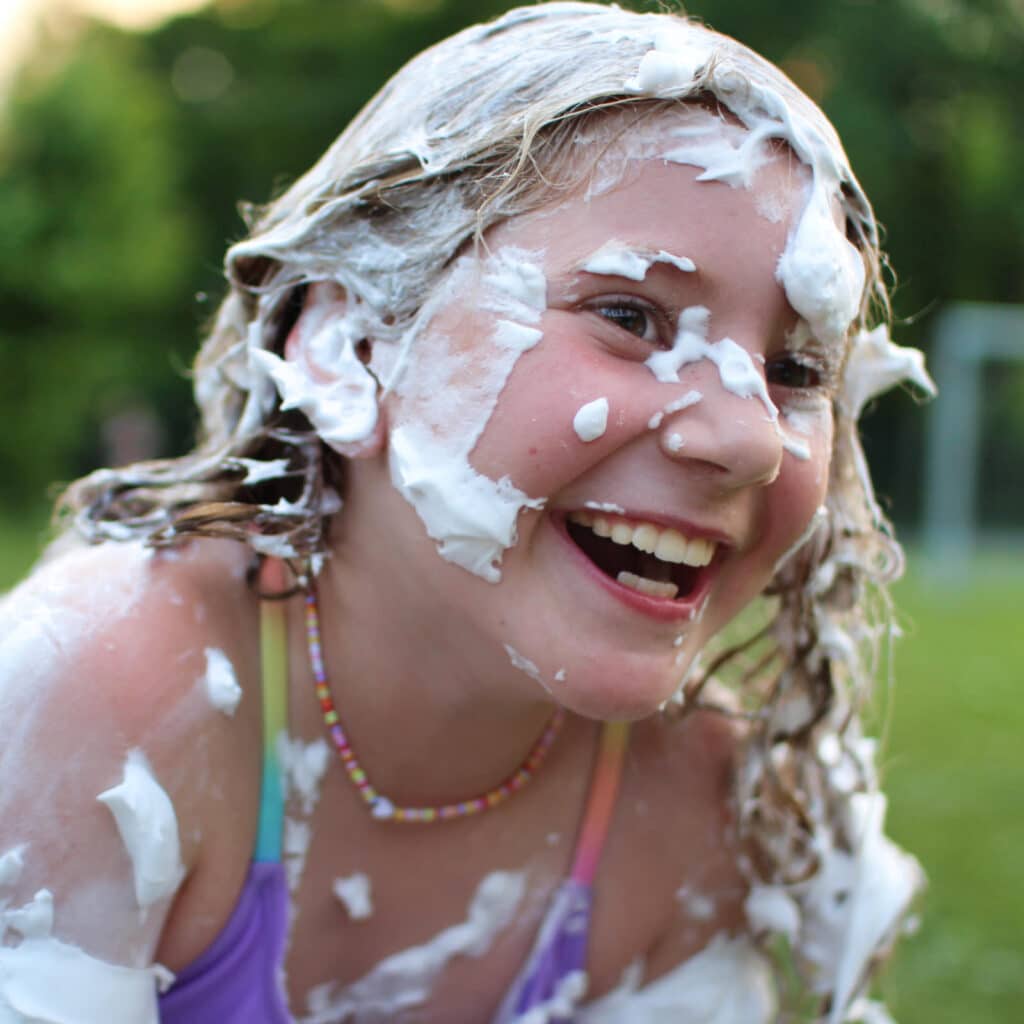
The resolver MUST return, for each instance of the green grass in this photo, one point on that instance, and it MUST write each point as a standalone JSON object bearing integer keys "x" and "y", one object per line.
{"x": 954, "y": 772}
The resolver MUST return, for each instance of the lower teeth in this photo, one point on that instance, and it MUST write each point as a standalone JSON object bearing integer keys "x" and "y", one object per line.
{"x": 653, "y": 588}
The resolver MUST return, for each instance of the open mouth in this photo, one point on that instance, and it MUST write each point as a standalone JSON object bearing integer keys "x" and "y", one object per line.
{"x": 653, "y": 560}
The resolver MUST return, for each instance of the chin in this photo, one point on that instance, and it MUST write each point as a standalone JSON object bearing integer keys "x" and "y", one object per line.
{"x": 636, "y": 692}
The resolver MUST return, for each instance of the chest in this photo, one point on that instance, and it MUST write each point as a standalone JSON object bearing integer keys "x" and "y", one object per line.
{"x": 434, "y": 923}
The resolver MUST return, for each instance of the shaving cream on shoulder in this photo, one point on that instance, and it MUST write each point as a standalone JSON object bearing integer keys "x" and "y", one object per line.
{"x": 148, "y": 826}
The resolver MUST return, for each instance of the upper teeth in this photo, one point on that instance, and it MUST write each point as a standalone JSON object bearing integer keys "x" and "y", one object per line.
{"x": 667, "y": 544}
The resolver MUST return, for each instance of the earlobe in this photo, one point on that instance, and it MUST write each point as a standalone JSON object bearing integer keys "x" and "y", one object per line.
{"x": 323, "y": 373}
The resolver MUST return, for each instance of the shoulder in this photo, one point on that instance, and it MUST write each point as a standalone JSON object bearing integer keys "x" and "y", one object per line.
{"x": 111, "y": 734}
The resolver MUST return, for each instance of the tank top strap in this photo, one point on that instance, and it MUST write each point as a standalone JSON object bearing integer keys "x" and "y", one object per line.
{"x": 274, "y": 688}
{"x": 604, "y": 791}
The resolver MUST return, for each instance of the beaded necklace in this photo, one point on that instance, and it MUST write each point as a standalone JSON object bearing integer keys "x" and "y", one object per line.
{"x": 380, "y": 806}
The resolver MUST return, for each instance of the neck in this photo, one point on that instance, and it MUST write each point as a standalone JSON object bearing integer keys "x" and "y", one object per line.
{"x": 431, "y": 717}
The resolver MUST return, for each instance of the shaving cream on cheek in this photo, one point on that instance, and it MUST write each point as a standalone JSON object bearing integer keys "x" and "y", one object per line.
{"x": 455, "y": 371}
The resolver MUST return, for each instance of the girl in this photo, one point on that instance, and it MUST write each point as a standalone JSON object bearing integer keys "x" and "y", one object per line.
{"x": 411, "y": 694}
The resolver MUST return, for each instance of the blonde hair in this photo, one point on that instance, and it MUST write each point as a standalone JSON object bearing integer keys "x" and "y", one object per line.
{"x": 478, "y": 129}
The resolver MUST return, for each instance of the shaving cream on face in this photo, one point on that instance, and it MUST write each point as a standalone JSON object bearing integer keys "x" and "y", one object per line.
{"x": 148, "y": 826}
{"x": 220, "y": 683}
{"x": 406, "y": 979}
{"x": 736, "y": 369}
{"x": 591, "y": 420}
{"x": 619, "y": 260}
{"x": 447, "y": 392}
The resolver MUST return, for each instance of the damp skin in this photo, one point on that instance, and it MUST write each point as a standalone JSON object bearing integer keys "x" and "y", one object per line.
{"x": 485, "y": 552}
{"x": 586, "y": 354}
{"x": 471, "y": 516}
{"x": 405, "y": 979}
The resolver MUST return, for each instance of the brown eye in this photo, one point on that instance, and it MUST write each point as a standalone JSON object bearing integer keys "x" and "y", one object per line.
{"x": 632, "y": 319}
{"x": 789, "y": 372}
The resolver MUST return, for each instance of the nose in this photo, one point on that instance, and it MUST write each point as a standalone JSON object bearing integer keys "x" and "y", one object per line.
{"x": 735, "y": 438}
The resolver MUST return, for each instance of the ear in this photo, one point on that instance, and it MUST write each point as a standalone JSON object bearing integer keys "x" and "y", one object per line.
{"x": 324, "y": 352}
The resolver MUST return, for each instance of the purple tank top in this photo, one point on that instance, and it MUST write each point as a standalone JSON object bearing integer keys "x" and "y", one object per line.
{"x": 238, "y": 979}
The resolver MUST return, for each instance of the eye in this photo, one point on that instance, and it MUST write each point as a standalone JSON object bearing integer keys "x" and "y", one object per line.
{"x": 796, "y": 372}
{"x": 631, "y": 316}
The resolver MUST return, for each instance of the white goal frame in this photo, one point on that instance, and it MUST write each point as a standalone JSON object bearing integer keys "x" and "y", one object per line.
{"x": 967, "y": 335}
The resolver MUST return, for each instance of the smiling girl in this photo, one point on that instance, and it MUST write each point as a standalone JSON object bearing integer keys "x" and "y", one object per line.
{"x": 420, "y": 690}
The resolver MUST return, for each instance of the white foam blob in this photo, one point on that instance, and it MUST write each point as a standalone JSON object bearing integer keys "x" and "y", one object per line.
{"x": 773, "y": 911}
{"x": 616, "y": 259}
{"x": 822, "y": 273}
{"x": 406, "y": 979}
{"x": 696, "y": 904}
{"x": 591, "y": 420}
{"x": 12, "y": 863}
{"x": 855, "y": 902}
{"x": 343, "y": 408}
{"x": 736, "y": 369}
{"x": 470, "y": 516}
{"x": 45, "y": 981}
{"x": 559, "y": 1006}
{"x": 876, "y": 364}
{"x": 34, "y": 920}
{"x": 258, "y": 471}
{"x": 728, "y": 982}
{"x": 303, "y": 766}
{"x": 148, "y": 826}
{"x": 523, "y": 663}
{"x": 354, "y": 893}
{"x": 220, "y": 683}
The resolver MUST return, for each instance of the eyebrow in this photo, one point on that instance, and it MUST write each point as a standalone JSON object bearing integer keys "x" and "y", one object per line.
{"x": 616, "y": 259}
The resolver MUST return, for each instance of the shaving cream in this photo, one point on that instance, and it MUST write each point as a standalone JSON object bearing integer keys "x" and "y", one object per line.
{"x": 148, "y": 826}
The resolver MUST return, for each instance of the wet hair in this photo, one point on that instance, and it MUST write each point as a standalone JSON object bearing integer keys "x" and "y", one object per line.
{"x": 480, "y": 128}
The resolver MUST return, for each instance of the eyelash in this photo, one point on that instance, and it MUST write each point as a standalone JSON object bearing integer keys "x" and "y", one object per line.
{"x": 816, "y": 372}
{"x": 654, "y": 320}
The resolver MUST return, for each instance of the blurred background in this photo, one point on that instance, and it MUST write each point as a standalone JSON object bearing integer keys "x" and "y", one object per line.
{"x": 130, "y": 129}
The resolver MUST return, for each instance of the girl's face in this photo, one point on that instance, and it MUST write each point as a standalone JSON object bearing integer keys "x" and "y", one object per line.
{"x": 640, "y": 403}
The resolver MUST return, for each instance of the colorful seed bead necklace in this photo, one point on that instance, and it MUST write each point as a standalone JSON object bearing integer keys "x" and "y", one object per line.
{"x": 380, "y": 806}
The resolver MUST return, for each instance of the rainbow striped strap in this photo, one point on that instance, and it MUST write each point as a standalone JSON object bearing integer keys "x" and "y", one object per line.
{"x": 604, "y": 790}
{"x": 274, "y": 687}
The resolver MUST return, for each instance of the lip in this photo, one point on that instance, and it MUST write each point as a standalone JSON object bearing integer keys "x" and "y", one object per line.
{"x": 660, "y": 608}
